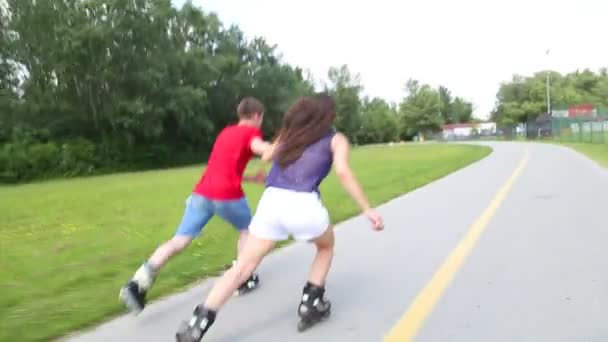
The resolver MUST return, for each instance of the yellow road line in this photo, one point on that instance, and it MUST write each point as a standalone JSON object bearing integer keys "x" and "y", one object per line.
{"x": 408, "y": 326}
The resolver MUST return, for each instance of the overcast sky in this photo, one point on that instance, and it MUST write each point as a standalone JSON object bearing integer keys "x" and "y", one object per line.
{"x": 470, "y": 46}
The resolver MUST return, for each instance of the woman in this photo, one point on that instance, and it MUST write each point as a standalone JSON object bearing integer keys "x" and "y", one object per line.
{"x": 302, "y": 156}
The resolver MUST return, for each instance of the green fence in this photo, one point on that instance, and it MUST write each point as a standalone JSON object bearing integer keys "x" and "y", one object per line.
{"x": 587, "y": 130}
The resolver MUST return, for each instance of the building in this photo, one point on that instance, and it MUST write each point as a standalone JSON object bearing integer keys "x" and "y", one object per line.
{"x": 463, "y": 130}
{"x": 539, "y": 127}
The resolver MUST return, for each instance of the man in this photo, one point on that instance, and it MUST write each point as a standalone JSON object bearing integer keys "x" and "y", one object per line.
{"x": 218, "y": 192}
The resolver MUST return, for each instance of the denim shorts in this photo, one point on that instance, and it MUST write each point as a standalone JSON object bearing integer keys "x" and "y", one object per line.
{"x": 199, "y": 210}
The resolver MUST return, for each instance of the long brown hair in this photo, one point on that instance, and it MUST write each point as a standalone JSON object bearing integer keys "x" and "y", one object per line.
{"x": 305, "y": 122}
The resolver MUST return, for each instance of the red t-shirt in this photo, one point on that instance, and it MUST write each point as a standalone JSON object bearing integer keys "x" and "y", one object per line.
{"x": 229, "y": 157}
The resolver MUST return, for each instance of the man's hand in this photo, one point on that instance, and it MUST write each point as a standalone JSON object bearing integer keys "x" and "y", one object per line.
{"x": 258, "y": 178}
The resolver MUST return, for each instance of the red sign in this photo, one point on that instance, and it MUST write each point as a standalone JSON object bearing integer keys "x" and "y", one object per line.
{"x": 581, "y": 110}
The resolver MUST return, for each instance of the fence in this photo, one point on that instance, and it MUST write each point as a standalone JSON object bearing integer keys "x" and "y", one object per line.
{"x": 586, "y": 130}
{"x": 581, "y": 129}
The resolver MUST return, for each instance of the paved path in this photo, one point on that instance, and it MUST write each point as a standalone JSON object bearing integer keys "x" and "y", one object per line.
{"x": 537, "y": 272}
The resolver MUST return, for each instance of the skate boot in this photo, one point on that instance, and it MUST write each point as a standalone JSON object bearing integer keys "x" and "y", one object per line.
{"x": 313, "y": 308}
{"x": 133, "y": 297}
{"x": 248, "y": 286}
{"x": 133, "y": 294}
{"x": 193, "y": 331}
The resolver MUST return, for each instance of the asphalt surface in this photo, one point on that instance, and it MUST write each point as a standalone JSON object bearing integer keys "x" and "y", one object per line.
{"x": 538, "y": 272}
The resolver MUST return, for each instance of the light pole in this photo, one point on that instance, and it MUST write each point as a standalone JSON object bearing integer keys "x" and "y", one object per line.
{"x": 548, "y": 86}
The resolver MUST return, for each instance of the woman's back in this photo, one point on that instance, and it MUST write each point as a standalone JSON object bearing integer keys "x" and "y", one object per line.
{"x": 308, "y": 171}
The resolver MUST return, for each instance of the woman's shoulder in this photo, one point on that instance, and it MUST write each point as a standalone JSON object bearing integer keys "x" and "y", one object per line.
{"x": 335, "y": 134}
{"x": 338, "y": 138}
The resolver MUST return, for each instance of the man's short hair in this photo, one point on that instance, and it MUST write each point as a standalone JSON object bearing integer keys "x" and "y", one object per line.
{"x": 248, "y": 107}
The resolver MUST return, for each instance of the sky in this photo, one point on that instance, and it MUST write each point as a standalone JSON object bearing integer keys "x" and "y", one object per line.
{"x": 469, "y": 46}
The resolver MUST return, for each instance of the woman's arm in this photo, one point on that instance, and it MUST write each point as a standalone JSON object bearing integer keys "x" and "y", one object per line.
{"x": 341, "y": 149}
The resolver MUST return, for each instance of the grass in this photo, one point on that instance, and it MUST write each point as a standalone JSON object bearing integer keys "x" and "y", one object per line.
{"x": 592, "y": 144}
{"x": 586, "y": 137}
{"x": 67, "y": 246}
{"x": 597, "y": 152}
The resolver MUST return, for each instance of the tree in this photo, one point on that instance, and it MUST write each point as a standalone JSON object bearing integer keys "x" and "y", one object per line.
{"x": 420, "y": 110}
{"x": 145, "y": 84}
{"x": 445, "y": 97}
{"x": 346, "y": 89}
{"x": 378, "y": 122}
{"x": 462, "y": 111}
{"x": 524, "y": 98}
{"x": 8, "y": 79}
{"x": 454, "y": 109}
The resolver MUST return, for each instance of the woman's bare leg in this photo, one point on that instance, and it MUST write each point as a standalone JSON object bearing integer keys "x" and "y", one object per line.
{"x": 250, "y": 257}
{"x": 322, "y": 261}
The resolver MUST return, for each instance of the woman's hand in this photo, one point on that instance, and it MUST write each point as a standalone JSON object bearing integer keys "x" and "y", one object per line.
{"x": 377, "y": 222}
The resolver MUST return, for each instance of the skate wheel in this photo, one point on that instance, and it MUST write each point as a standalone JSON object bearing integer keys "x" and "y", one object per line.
{"x": 180, "y": 335}
{"x": 183, "y": 334}
{"x": 131, "y": 304}
{"x": 246, "y": 289}
{"x": 303, "y": 325}
{"x": 183, "y": 337}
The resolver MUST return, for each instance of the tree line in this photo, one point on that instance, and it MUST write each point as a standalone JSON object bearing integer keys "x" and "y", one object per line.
{"x": 94, "y": 86}
{"x": 525, "y": 98}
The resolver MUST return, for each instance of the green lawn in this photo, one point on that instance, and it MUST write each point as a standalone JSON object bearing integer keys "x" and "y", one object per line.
{"x": 585, "y": 137}
{"x": 66, "y": 247}
{"x": 597, "y": 152}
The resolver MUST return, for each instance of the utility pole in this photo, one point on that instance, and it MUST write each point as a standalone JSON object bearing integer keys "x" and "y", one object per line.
{"x": 548, "y": 87}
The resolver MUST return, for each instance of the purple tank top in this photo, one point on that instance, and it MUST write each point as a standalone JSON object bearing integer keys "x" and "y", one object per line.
{"x": 308, "y": 171}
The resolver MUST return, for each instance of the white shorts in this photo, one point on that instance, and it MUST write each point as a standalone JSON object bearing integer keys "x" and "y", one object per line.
{"x": 281, "y": 213}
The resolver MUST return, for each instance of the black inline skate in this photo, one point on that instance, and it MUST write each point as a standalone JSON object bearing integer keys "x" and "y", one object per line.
{"x": 313, "y": 308}
{"x": 133, "y": 296}
{"x": 248, "y": 286}
{"x": 193, "y": 331}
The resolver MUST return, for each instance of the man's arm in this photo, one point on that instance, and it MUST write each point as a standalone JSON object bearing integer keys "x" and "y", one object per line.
{"x": 259, "y": 146}
{"x": 271, "y": 150}
{"x": 269, "y": 153}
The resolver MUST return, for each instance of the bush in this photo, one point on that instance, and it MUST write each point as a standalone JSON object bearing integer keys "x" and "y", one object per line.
{"x": 27, "y": 159}
{"x": 23, "y": 161}
{"x": 78, "y": 158}
{"x": 14, "y": 162}
{"x": 41, "y": 160}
